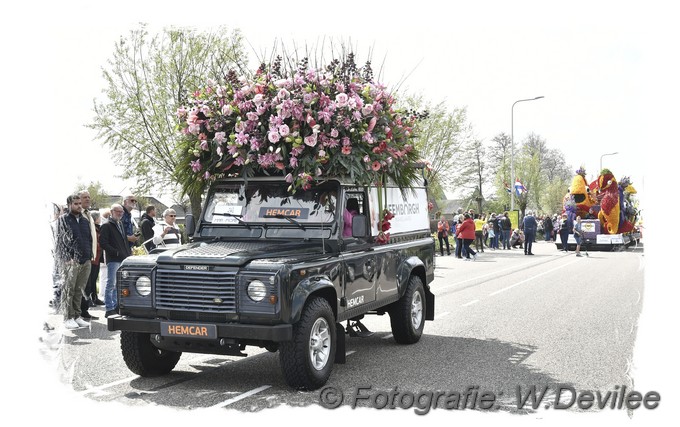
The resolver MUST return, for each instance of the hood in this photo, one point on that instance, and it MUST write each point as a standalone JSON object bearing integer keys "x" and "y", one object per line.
{"x": 242, "y": 252}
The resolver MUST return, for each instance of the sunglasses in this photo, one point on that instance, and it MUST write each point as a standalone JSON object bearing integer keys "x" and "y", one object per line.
{"x": 172, "y": 215}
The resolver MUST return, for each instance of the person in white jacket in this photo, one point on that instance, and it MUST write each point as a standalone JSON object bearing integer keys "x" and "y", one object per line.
{"x": 167, "y": 234}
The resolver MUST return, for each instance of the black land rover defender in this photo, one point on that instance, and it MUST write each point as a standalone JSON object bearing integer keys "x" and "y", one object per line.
{"x": 281, "y": 271}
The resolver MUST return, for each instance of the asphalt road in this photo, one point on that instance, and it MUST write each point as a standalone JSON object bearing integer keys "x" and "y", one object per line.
{"x": 503, "y": 321}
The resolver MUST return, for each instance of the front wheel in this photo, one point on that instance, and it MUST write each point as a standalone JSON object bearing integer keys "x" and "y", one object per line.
{"x": 307, "y": 360}
{"x": 145, "y": 359}
{"x": 407, "y": 317}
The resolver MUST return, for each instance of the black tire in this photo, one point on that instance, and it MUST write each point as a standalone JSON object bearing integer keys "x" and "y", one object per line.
{"x": 145, "y": 359}
{"x": 407, "y": 316}
{"x": 307, "y": 360}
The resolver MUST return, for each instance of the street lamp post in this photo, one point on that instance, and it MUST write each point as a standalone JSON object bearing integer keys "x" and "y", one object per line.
{"x": 608, "y": 154}
{"x": 512, "y": 146}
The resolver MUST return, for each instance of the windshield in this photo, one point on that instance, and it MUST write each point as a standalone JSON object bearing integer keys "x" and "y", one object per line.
{"x": 271, "y": 203}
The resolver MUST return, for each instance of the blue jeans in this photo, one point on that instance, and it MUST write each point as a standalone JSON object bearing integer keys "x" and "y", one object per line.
{"x": 110, "y": 294}
{"x": 506, "y": 239}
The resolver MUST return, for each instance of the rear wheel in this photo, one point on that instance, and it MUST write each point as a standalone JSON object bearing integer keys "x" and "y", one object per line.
{"x": 407, "y": 317}
{"x": 307, "y": 360}
{"x": 145, "y": 359}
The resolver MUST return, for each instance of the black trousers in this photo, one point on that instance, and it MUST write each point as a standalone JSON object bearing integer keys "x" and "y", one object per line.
{"x": 90, "y": 287}
{"x": 442, "y": 238}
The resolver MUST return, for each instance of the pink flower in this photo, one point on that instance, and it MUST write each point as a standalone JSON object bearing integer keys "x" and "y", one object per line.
{"x": 195, "y": 165}
{"x": 307, "y": 98}
{"x": 274, "y": 137}
{"x": 334, "y": 133}
{"x": 258, "y": 99}
{"x": 206, "y": 175}
{"x": 346, "y": 149}
{"x": 367, "y": 109}
{"x": 371, "y": 124}
{"x": 367, "y": 159}
{"x": 311, "y": 140}
{"x": 205, "y": 146}
{"x": 289, "y": 177}
{"x": 375, "y": 166}
{"x": 293, "y": 162}
{"x": 253, "y": 117}
{"x": 284, "y": 130}
{"x": 220, "y": 137}
{"x": 241, "y": 138}
{"x": 341, "y": 99}
{"x": 322, "y": 153}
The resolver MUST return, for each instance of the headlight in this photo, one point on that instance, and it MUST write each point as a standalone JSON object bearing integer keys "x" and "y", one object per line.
{"x": 143, "y": 285}
{"x": 257, "y": 290}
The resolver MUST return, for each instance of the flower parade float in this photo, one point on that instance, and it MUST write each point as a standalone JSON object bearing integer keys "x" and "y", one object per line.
{"x": 315, "y": 215}
{"x": 607, "y": 208}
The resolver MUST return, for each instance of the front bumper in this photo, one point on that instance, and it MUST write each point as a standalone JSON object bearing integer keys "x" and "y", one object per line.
{"x": 275, "y": 333}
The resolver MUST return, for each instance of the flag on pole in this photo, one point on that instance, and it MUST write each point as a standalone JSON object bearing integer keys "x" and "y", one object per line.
{"x": 507, "y": 187}
{"x": 519, "y": 187}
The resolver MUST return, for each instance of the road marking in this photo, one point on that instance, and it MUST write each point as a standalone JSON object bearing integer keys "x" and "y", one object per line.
{"x": 483, "y": 275}
{"x": 386, "y": 337}
{"x": 105, "y": 386}
{"x": 444, "y": 314}
{"x": 531, "y": 278}
{"x": 350, "y": 352}
{"x": 474, "y": 301}
{"x": 241, "y": 396}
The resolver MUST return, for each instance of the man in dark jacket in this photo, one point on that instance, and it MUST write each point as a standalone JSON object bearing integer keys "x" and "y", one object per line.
{"x": 115, "y": 244}
{"x": 146, "y": 225}
{"x": 548, "y": 228}
{"x": 506, "y": 228}
{"x": 74, "y": 249}
{"x": 530, "y": 225}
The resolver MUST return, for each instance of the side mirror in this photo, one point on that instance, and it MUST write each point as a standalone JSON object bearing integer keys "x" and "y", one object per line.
{"x": 359, "y": 226}
{"x": 190, "y": 225}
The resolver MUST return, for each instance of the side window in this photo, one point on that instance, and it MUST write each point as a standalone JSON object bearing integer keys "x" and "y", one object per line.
{"x": 355, "y": 204}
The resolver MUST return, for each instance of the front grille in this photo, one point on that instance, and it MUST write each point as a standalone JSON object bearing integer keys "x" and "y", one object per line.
{"x": 190, "y": 290}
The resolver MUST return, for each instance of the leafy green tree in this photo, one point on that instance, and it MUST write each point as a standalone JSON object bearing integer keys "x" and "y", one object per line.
{"x": 98, "y": 197}
{"x": 147, "y": 80}
{"x": 441, "y": 136}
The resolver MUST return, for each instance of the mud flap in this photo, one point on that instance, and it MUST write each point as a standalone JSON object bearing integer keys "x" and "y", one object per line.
{"x": 429, "y": 304}
{"x": 339, "y": 344}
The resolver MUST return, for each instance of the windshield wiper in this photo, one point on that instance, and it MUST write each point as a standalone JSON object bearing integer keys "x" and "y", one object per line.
{"x": 231, "y": 215}
{"x": 288, "y": 217}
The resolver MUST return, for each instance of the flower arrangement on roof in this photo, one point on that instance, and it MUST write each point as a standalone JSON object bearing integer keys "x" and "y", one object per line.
{"x": 581, "y": 171}
{"x": 305, "y": 124}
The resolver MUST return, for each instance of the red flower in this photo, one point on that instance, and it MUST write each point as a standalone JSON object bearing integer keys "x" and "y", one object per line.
{"x": 386, "y": 225}
{"x": 346, "y": 149}
{"x": 376, "y": 166}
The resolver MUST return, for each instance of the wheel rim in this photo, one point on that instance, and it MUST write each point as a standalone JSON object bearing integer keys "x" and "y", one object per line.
{"x": 319, "y": 344}
{"x": 416, "y": 310}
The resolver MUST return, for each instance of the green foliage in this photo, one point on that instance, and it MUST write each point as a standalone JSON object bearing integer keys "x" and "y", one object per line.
{"x": 98, "y": 197}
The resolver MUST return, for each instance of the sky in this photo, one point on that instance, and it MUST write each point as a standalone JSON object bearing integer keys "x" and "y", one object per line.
{"x": 607, "y": 70}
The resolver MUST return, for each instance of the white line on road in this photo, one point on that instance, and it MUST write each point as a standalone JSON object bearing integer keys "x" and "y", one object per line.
{"x": 444, "y": 314}
{"x": 483, "y": 275}
{"x": 386, "y": 337}
{"x": 350, "y": 352}
{"x": 531, "y": 278}
{"x": 105, "y": 386}
{"x": 474, "y": 301}
{"x": 241, "y": 396}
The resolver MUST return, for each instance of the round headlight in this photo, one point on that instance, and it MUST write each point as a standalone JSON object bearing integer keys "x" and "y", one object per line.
{"x": 143, "y": 285}
{"x": 257, "y": 290}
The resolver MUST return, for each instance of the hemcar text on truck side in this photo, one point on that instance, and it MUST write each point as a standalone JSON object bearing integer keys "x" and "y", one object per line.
{"x": 271, "y": 269}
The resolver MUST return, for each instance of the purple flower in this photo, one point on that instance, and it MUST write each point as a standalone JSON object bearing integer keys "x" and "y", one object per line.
{"x": 242, "y": 138}
{"x": 220, "y": 137}
{"x": 293, "y": 162}
{"x": 334, "y": 133}
{"x": 205, "y": 146}
{"x": 253, "y": 117}
{"x": 195, "y": 165}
